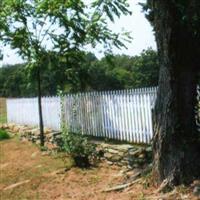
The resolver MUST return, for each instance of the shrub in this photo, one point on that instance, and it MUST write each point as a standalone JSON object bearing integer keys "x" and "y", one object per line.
{"x": 3, "y": 135}
{"x": 79, "y": 148}
{"x": 76, "y": 145}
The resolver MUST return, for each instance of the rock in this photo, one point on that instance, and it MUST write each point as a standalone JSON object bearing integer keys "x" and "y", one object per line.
{"x": 107, "y": 155}
{"x": 48, "y": 136}
{"x": 103, "y": 145}
{"x": 115, "y": 158}
{"x": 37, "y": 141}
{"x": 5, "y": 126}
{"x": 196, "y": 182}
{"x": 110, "y": 163}
{"x": 149, "y": 149}
{"x": 124, "y": 162}
{"x": 24, "y": 130}
{"x": 134, "y": 153}
{"x": 112, "y": 151}
{"x": 142, "y": 156}
{"x": 122, "y": 147}
{"x": 15, "y": 129}
{"x": 56, "y": 133}
{"x": 134, "y": 166}
{"x": 35, "y": 131}
{"x": 47, "y": 130}
{"x": 11, "y": 126}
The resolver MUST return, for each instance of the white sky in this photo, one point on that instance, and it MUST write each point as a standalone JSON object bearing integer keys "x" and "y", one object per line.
{"x": 142, "y": 34}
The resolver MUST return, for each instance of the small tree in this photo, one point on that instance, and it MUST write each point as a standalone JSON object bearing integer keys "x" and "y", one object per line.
{"x": 66, "y": 26}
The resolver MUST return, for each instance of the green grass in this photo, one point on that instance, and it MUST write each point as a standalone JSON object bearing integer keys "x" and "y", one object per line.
{"x": 4, "y": 135}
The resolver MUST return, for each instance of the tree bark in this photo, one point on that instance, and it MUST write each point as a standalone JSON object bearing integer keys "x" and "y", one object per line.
{"x": 40, "y": 110}
{"x": 176, "y": 139}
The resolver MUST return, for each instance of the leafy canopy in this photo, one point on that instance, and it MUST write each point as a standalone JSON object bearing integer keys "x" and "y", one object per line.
{"x": 33, "y": 26}
{"x": 185, "y": 13}
{"x": 109, "y": 73}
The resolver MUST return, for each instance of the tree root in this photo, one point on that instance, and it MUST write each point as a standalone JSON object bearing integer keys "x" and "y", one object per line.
{"x": 166, "y": 195}
{"x": 16, "y": 185}
{"x": 132, "y": 180}
{"x": 164, "y": 187}
{"x": 121, "y": 187}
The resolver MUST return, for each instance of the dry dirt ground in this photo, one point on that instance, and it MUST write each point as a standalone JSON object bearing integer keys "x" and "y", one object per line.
{"x": 26, "y": 173}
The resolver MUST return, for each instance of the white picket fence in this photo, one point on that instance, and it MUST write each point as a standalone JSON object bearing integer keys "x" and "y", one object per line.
{"x": 123, "y": 115}
{"x": 25, "y": 111}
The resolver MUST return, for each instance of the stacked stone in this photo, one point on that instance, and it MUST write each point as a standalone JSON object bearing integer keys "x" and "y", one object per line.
{"x": 127, "y": 155}
{"x": 26, "y": 133}
{"x": 131, "y": 156}
{"x": 53, "y": 140}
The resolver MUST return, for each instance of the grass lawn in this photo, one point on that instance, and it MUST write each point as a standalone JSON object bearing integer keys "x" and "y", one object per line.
{"x": 27, "y": 173}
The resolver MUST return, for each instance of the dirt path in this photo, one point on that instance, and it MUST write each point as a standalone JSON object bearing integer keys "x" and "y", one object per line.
{"x": 27, "y": 174}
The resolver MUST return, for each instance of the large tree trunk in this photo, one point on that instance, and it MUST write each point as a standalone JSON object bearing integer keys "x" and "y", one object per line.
{"x": 176, "y": 139}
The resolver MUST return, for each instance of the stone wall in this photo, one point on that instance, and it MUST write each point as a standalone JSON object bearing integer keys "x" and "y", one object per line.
{"x": 32, "y": 134}
{"x": 128, "y": 155}
{"x": 132, "y": 156}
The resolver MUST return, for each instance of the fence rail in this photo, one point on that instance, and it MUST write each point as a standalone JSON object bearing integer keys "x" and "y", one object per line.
{"x": 122, "y": 115}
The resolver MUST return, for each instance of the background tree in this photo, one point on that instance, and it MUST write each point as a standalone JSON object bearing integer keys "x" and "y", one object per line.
{"x": 176, "y": 141}
{"x": 27, "y": 25}
{"x": 108, "y": 73}
{"x": 124, "y": 72}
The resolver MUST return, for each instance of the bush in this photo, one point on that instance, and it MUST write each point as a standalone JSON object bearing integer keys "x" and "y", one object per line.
{"x": 3, "y": 135}
{"x": 79, "y": 148}
{"x": 76, "y": 145}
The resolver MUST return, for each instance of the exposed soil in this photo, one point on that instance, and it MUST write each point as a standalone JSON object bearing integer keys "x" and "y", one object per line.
{"x": 27, "y": 173}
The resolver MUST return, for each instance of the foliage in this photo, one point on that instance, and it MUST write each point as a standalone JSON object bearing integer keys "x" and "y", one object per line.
{"x": 33, "y": 27}
{"x": 123, "y": 72}
{"x": 75, "y": 144}
{"x": 79, "y": 148}
{"x": 3, "y": 135}
{"x": 109, "y": 73}
{"x": 186, "y": 12}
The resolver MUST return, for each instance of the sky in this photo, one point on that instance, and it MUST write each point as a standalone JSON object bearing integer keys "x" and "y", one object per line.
{"x": 137, "y": 24}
